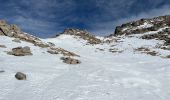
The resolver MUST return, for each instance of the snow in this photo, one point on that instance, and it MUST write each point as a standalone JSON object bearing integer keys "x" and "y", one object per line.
{"x": 144, "y": 25}
{"x": 102, "y": 75}
{"x": 153, "y": 32}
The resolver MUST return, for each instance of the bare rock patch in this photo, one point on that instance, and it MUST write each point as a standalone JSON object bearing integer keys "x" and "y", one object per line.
{"x": 20, "y": 51}
{"x": 69, "y": 60}
{"x": 2, "y": 46}
{"x": 147, "y": 51}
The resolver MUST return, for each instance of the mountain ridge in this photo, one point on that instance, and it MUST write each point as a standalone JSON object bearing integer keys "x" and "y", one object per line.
{"x": 69, "y": 67}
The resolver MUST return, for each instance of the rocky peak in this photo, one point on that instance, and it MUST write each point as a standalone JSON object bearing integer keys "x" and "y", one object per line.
{"x": 72, "y": 31}
{"x": 15, "y": 32}
{"x": 8, "y": 30}
{"x": 157, "y": 28}
{"x": 142, "y": 26}
{"x": 82, "y": 34}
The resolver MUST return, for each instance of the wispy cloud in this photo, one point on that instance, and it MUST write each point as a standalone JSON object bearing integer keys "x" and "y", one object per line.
{"x": 47, "y": 17}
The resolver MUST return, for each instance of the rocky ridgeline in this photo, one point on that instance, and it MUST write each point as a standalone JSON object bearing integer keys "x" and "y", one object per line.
{"x": 15, "y": 32}
{"x": 158, "y": 26}
{"x": 91, "y": 39}
{"x": 142, "y": 26}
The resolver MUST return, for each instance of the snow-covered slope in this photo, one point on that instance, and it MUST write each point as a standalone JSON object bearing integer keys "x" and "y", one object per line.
{"x": 119, "y": 68}
{"x": 102, "y": 75}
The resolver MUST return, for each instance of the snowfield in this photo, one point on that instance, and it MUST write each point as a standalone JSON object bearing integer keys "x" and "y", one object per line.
{"x": 102, "y": 75}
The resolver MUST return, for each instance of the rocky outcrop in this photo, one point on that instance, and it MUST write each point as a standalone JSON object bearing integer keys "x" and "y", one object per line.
{"x": 51, "y": 44}
{"x": 157, "y": 28}
{"x": 168, "y": 56}
{"x": 20, "y": 76}
{"x": 142, "y": 26}
{"x": 115, "y": 50}
{"x": 14, "y": 31}
{"x": 66, "y": 53}
{"x": 2, "y": 46}
{"x": 2, "y": 71}
{"x": 16, "y": 40}
{"x": 91, "y": 39}
{"x": 20, "y": 51}
{"x": 8, "y": 30}
{"x": 162, "y": 35}
{"x": 69, "y": 60}
{"x": 147, "y": 51}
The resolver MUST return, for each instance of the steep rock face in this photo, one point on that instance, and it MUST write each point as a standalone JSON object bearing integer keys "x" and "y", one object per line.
{"x": 91, "y": 39}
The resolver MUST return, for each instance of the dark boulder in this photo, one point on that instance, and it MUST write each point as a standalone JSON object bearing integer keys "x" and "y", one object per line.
{"x": 20, "y": 76}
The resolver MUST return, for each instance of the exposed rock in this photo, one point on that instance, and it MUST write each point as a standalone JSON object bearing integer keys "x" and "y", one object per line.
{"x": 168, "y": 56}
{"x": 20, "y": 51}
{"x": 165, "y": 47}
{"x": 147, "y": 51}
{"x": 69, "y": 60}
{"x": 15, "y": 29}
{"x": 2, "y": 22}
{"x": 115, "y": 50}
{"x": 20, "y": 76}
{"x": 15, "y": 32}
{"x": 134, "y": 27}
{"x": 162, "y": 35}
{"x": 100, "y": 49}
{"x": 6, "y": 30}
{"x": 2, "y": 46}
{"x": 51, "y": 44}
{"x": 1, "y": 71}
{"x": 41, "y": 44}
{"x": 91, "y": 39}
{"x": 16, "y": 40}
{"x": 53, "y": 50}
{"x": 118, "y": 31}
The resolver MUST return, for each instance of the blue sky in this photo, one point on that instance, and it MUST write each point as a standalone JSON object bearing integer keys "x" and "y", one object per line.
{"x": 45, "y": 18}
